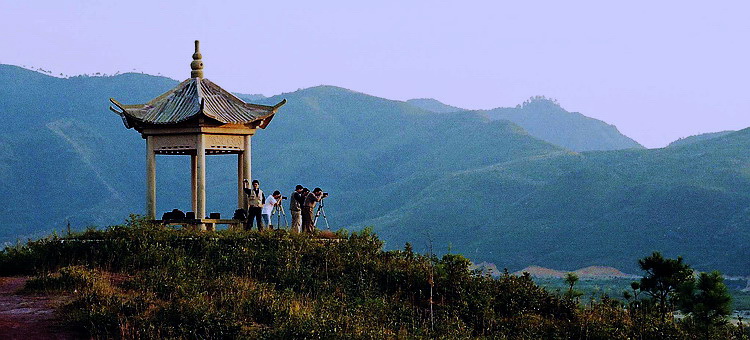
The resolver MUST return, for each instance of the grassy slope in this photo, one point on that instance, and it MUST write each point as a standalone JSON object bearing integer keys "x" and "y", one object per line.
{"x": 146, "y": 281}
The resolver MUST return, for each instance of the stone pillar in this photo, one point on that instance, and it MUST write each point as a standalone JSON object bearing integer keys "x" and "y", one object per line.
{"x": 246, "y": 170}
{"x": 150, "y": 178}
{"x": 200, "y": 167}
{"x": 194, "y": 182}
{"x": 240, "y": 178}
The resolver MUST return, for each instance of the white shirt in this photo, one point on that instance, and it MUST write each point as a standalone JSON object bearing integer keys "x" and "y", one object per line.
{"x": 268, "y": 205}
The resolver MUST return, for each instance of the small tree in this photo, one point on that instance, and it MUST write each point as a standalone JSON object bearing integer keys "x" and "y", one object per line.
{"x": 636, "y": 287}
{"x": 662, "y": 279}
{"x": 632, "y": 298}
{"x": 707, "y": 301}
{"x": 571, "y": 279}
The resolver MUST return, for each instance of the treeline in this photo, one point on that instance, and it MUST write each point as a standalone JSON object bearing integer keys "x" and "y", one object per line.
{"x": 148, "y": 281}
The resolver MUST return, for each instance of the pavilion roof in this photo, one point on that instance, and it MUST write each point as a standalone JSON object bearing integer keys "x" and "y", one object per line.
{"x": 191, "y": 98}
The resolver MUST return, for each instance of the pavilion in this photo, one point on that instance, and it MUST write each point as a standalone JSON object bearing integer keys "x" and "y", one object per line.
{"x": 196, "y": 118}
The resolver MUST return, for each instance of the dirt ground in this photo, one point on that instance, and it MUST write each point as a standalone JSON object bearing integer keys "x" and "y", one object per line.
{"x": 25, "y": 316}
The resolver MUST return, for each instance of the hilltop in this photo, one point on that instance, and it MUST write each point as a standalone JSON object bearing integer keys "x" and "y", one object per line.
{"x": 146, "y": 281}
{"x": 150, "y": 281}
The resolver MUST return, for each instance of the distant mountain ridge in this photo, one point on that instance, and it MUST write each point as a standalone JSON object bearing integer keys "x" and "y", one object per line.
{"x": 699, "y": 138}
{"x": 434, "y": 105}
{"x": 590, "y": 272}
{"x": 488, "y": 188}
{"x": 547, "y": 120}
{"x": 541, "y": 272}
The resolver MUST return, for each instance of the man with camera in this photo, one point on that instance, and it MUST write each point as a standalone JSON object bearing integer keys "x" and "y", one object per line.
{"x": 295, "y": 206}
{"x": 309, "y": 206}
{"x": 268, "y": 205}
{"x": 255, "y": 199}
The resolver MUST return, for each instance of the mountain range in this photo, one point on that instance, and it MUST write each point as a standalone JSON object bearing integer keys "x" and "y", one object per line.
{"x": 545, "y": 119}
{"x": 496, "y": 185}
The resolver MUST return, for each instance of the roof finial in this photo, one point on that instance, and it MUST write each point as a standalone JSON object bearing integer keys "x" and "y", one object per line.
{"x": 197, "y": 64}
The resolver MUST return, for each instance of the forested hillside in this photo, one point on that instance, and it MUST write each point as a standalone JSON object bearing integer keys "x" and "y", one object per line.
{"x": 457, "y": 181}
{"x": 594, "y": 208}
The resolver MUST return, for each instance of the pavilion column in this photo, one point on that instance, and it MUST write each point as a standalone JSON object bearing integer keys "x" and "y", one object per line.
{"x": 150, "y": 178}
{"x": 200, "y": 211}
{"x": 194, "y": 182}
{"x": 247, "y": 159}
{"x": 240, "y": 178}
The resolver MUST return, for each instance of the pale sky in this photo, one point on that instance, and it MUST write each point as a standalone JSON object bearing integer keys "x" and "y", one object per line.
{"x": 658, "y": 70}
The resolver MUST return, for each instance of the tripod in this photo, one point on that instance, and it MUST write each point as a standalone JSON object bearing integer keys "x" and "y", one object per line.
{"x": 278, "y": 210}
{"x": 320, "y": 212}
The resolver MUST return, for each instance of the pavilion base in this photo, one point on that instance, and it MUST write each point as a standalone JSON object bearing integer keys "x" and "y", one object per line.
{"x": 203, "y": 223}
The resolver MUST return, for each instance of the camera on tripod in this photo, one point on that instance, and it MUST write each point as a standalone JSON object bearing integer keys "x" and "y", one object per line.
{"x": 321, "y": 211}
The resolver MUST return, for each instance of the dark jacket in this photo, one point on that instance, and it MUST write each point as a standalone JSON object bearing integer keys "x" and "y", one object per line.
{"x": 295, "y": 204}
{"x": 311, "y": 200}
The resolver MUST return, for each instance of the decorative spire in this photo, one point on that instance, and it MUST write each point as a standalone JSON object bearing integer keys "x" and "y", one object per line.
{"x": 197, "y": 64}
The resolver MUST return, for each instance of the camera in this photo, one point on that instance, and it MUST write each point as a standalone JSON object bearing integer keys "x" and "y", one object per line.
{"x": 325, "y": 194}
{"x": 284, "y": 197}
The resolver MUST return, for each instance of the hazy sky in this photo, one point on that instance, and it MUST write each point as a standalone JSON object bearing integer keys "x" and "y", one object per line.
{"x": 658, "y": 70}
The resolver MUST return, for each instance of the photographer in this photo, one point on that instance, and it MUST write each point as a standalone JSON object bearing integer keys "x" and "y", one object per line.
{"x": 270, "y": 202}
{"x": 295, "y": 207}
{"x": 308, "y": 207}
{"x": 255, "y": 199}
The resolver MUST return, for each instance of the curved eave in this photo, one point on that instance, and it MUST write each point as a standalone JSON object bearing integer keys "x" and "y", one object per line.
{"x": 264, "y": 121}
{"x": 131, "y": 119}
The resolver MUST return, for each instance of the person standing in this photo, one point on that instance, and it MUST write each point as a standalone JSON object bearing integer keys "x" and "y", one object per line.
{"x": 295, "y": 206}
{"x": 268, "y": 205}
{"x": 305, "y": 192}
{"x": 307, "y": 209}
{"x": 255, "y": 199}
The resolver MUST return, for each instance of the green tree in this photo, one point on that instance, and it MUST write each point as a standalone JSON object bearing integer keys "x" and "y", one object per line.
{"x": 636, "y": 287}
{"x": 707, "y": 301}
{"x": 571, "y": 279}
{"x": 662, "y": 279}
